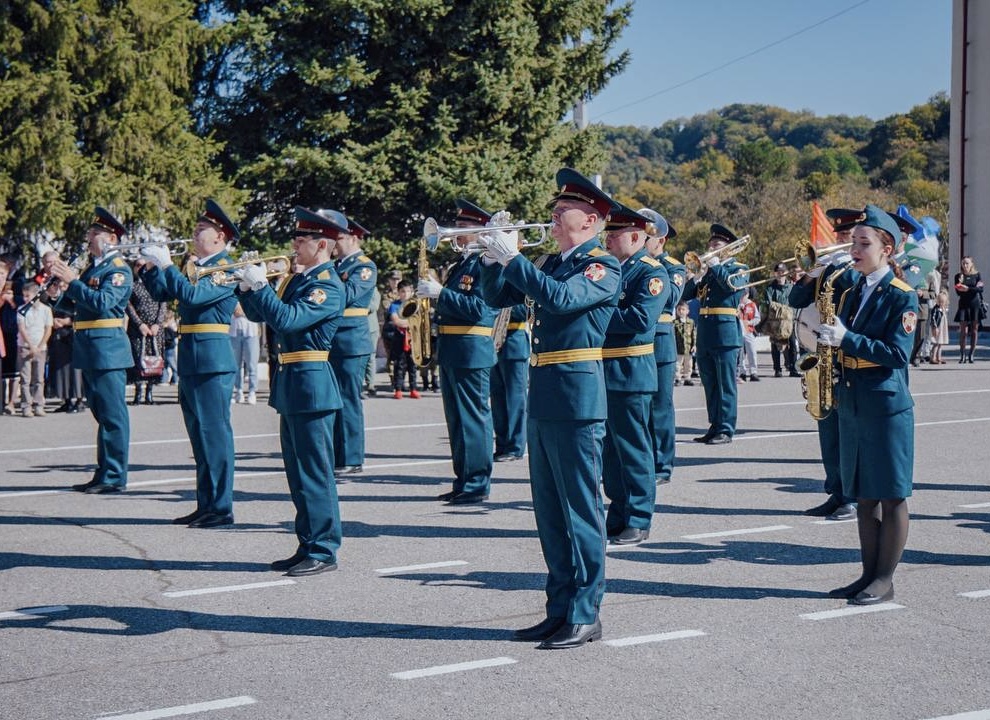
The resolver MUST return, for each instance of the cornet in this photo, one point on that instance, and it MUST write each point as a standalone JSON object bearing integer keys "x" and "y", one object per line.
{"x": 435, "y": 234}
{"x": 805, "y": 256}
{"x": 275, "y": 266}
{"x": 696, "y": 263}
{"x": 132, "y": 251}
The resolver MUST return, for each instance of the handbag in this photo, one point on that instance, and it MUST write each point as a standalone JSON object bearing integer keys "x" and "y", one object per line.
{"x": 153, "y": 365}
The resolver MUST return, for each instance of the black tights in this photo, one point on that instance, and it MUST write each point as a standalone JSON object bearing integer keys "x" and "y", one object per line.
{"x": 969, "y": 329}
{"x": 883, "y": 531}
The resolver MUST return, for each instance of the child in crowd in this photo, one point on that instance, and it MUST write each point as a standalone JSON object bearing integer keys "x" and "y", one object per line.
{"x": 400, "y": 353}
{"x": 170, "y": 336}
{"x": 684, "y": 338}
{"x": 34, "y": 328}
{"x": 939, "y": 327}
{"x": 749, "y": 318}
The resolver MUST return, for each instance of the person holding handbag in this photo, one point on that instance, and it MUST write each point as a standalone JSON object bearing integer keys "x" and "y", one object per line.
{"x": 146, "y": 320}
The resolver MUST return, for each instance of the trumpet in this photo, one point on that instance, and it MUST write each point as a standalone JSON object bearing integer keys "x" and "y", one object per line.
{"x": 696, "y": 263}
{"x": 805, "y": 256}
{"x": 132, "y": 251}
{"x": 275, "y": 266}
{"x": 435, "y": 234}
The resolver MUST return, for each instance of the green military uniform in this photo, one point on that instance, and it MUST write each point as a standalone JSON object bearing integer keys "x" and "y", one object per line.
{"x": 665, "y": 355}
{"x": 508, "y": 393}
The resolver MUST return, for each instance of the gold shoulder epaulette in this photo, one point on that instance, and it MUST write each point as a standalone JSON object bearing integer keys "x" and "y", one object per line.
{"x": 223, "y": 261}
{"x": 364, "y": 258}
{"x": 673, "y": 261}
{"x": 901, "y": 285}
{"x": 324, "y": 275}
{"x": 596, "y": 252}
{"x": 651, "y": 261}
{"x": 118, "y": 262}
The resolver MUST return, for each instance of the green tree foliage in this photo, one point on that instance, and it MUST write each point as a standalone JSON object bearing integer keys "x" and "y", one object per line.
{"x": 390, "y": 110}
{"x": 94, "y": 110}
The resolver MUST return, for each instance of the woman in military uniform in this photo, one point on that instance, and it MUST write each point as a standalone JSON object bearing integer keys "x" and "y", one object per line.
{"x": 874, "y": 333}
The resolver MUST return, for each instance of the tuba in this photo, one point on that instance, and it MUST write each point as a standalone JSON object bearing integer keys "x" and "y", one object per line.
{"x": 417, "y": 313}
{"x": 818, "y": 366}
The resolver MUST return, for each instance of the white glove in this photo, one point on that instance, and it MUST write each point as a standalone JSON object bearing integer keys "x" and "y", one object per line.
{"x": 156, "y": 255}
{"x": 252, "y": 278}
{"x": 502, "y": 246}
{"x": 838, "y": 259}
{"x": 428, "y": 288}
{"x": 816, "y": 271}
{"x": 713, "y": 261}
{"x": 832, "y": 334}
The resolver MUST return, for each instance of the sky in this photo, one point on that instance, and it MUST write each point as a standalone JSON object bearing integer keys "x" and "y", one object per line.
{"x": 852, "y": 57}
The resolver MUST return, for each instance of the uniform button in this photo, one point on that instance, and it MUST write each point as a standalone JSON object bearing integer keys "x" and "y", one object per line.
{"x": 536, "y": 341}
{"x": 848, "y": 384}
{"x": 537, "y": 322}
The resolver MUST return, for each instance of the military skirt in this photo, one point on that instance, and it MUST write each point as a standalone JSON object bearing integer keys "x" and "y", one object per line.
{"x": 876, "y": 454}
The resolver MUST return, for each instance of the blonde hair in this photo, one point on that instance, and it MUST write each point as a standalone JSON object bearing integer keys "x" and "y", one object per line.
{"x": 943, "y": 298}
{"x": 972, "y": 262}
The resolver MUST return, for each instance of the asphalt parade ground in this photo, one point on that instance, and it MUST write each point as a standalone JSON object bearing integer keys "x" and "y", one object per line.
{"x": 107, "y": 610}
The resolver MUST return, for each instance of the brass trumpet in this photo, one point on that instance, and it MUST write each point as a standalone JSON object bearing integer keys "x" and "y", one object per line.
{"x": 224, "y": 274}
{"x": 805, "y": 256}
{"x": 132, "y": 251}
{"x": 435, "y": 234}
{"x": 696, "y": 263}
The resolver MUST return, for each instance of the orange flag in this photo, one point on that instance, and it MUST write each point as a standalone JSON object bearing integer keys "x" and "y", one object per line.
{"x": 821, "y": 227}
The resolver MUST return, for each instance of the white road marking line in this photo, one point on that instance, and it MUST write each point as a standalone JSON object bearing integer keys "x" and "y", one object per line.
{"x": 661, "y": 637}
{"x": 228, "y": 588}
{"x": 456, "y": 667}
{"x": 974, "y": 715}
{"x": 976, "y": 594}
{"x": 975, "y": 506}
{"x": 185, "y": 709}
{"x": 32, "y": 612}
{"x": 727, "y": 533}
{"x": 426, "y": 566}
{"x": 831, "y": 522}
{"x": 851, "y": 610}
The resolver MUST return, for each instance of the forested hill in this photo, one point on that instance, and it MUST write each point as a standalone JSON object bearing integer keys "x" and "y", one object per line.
{"x": 758, "y": 167}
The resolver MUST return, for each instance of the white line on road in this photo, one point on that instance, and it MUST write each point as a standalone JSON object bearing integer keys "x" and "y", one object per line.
{"x": 975, "y": 506}
{"x": 852, "y": 610}
{"x": 228, "y": 588}
{"x": 974, "y": 715}
{"x": 976, "y": 594}
{"x": 427, "y": 566}
{"x": 746, "y": 531}
{"x": 456, "y": 667}
{"x": 661, "y": 637}
{"x": 32, "y": 612}
{"x": 184, "y": 709}
{"x": 832, "y": 522}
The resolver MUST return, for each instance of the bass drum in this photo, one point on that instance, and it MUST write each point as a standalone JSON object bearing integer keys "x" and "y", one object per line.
{"x": 808, "y": 322}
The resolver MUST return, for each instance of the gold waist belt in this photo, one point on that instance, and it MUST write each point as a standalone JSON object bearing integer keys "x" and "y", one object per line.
{"x": 666, "y": 318}
{"x": 856, "y": 363}
{"x": 204, "y": 328}
{"x": 557, "y": 357}
{"x": 299, "y": 356}
{"x": 516, "y": 326}
{"x": 95, "y": 324}
{"x": 718, "y": 311}
{"x": 355, "y": 312}
{"x": 630, "y": 351}
{"x": 465, "y": 330}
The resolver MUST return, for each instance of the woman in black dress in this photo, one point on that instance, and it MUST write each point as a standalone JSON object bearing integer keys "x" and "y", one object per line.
{"x": 64, "y": 381}
{"x": 969, "y": 288}
{"x": 146, "y": 316}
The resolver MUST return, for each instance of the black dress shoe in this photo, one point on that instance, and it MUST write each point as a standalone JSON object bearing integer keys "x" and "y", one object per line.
{"x": 348, "y": 469}
{"x": 310, "y": 566}
{"x": 283, "y": 565}
{"x": 212, "y": 520}
{"x": 448, "y": 496}
{"x": 83, "y": 487}
{"x": 572, "y": 636}
{"x": 662, "y": 479}
{"x": 506, "y": 457}
{"x": 74, "y": 407}
{"x": 826, "y": 508}
{"x": 865, "y": 598}
{"x": 466, "y": 498}
{"x": 704, "y": 438}
{"x": 186, "y": 519}
{"x": 630, "y": 536}
{"x": 64, "y": 407}
{"x": 843, "y": 512}
{"x": 719, "y": 439}
{"x": 102, "y": 488}
{"x": 541, "y": 631}
{"x": 847, "y": 592}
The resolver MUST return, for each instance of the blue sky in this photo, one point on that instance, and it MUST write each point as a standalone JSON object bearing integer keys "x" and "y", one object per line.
{"x": 877, "y": 58}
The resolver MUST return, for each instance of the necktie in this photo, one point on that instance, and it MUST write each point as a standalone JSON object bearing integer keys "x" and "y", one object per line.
{"x": 857, "y": 299}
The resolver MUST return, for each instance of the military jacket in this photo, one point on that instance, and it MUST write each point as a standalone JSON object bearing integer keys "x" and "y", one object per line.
{"x": 644, "y": 290}
{"x": 464, "y": 320}
{"x": 304, "y": 317}
{"x": 204, "y": 305}
{"x": 100, "y": 293}
{"x": 664, "y": 345}
{"x": 718, "y": 315}
{"x": 877, "y": 347}
{"x": 516, "y": 345}
{"x": 573, "y": 301}
{"x": 359, "y": 275}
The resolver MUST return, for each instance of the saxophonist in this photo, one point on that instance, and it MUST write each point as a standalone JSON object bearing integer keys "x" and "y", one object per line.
{"x": 466, "y": 354}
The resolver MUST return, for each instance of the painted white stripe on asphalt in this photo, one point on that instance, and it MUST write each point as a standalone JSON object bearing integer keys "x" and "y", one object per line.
{"x": 831, "y": 522}
{"x": 974, "y": 715}
{"x": 32, "y": 612}
{"x": 184, "y": 709}
{"x": 456, "y": 667}
{"x": 851, "y": 610}
{"x": 228, "y": 588}
{"x": 976, "y": 505}
{"x": 976, "y": 594}
{"x": 661, "y": 637}
{"x": 426, "y": 566}
{"x": 727, "y": 533}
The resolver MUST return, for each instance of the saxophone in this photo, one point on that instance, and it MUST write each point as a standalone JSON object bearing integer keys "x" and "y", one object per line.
{"x": 417, "y": 313}
{"x": 818, "y": 367}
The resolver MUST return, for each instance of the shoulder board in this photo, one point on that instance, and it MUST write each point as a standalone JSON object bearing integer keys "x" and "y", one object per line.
{"x": 364, "y": 258}
{"x": 223, "y": 261}
{"x": 118, "y": 262}
{"x": 596, "y": 252}
{"x": 652, "y": 262}
{"x": 324, "y": 275}
{"x": 901, "y": 285}
{"x": 673, "y": 261}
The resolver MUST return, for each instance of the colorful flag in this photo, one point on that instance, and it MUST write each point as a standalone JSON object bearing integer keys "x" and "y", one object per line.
{"x": 821, "y": 227}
